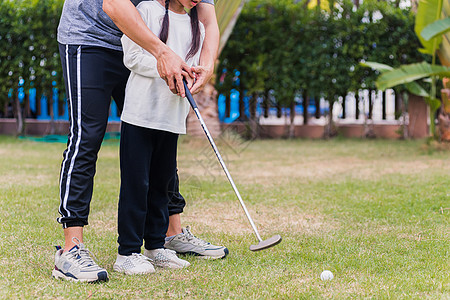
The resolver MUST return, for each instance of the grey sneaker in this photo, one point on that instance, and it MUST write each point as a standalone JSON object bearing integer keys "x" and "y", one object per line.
{"x": 133, "y": 264}
{"x": 77, "y": 265}
{"x": 165, "y": 258}
{"x": 187, "y": 243}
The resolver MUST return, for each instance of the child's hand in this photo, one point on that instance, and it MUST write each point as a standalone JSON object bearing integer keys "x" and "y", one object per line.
{"x": 190, "y": 81}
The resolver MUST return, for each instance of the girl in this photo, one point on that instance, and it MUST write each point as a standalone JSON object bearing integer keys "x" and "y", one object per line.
{"x": 152, "y": 119}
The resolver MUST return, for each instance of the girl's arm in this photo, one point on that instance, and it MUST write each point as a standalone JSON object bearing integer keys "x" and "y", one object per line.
{"x": 137, "y": 60}
{"x": 208, "y": 56}
{"x": 169, "y": 65}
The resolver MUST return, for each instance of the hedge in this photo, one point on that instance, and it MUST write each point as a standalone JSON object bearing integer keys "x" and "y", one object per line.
{"x": 28, "y": 47}
{"x": 282, "y": 48}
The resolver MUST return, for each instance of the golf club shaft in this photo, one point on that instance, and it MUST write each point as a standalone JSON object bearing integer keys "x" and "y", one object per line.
{"x": 219, "y": 157}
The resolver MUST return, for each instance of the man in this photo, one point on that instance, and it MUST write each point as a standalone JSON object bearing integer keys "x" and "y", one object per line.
{"x": 91, "y": 56}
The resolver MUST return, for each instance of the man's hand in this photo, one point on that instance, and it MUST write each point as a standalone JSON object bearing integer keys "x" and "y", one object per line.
{"x": 202, "y": 75}
{"x": 172, "y": 68}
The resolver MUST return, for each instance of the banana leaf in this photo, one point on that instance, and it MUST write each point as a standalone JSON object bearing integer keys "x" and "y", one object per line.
{"x": 444, "y": 51}
{"x": 412, "y": 87}
{"x": 376, "y": 66}
{"x": 439, "y": 27}
{"x": 410, "y": 73}
{"x": 227, "y": 12}
{"x": 428, "y": 12}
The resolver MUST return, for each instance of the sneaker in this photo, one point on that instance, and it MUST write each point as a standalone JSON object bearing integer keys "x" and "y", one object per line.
{"x": 133, "y": 264}
{"x": 77, "y": 265}
{"x": 165, "y": 258}
{"x": 187, "y": 243}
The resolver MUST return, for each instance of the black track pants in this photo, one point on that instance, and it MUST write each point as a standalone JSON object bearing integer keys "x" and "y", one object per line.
{"x": 92, "y": 76}
{"x": 147, "y": 165}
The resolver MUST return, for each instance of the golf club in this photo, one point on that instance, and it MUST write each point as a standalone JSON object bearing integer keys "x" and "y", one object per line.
{"x": 263, "y": 244}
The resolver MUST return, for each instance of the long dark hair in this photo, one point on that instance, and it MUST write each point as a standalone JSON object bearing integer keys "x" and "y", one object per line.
{"x": 195, "y": 27}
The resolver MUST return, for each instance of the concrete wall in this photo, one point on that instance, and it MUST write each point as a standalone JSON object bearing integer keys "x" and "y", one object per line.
{"x": 417, "y": 127}
{"x": 39, "y": 128}
{"x": 317, "y": 131}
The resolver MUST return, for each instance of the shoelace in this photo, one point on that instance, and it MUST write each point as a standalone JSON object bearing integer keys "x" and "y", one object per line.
{"x": 82, "y": 254}
{"x": 85, "y": 258}
{"x": 193, "y": 239}
{"x": 140, "y": 258}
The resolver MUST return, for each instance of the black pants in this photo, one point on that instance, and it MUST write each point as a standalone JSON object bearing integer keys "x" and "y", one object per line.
{"x": 92, "y": 76}
{"x": 147, "y": 165}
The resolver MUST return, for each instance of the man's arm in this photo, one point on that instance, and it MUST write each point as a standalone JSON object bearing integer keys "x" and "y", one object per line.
{"x": 208, "y": 56}
{"x": 170, "y": 66}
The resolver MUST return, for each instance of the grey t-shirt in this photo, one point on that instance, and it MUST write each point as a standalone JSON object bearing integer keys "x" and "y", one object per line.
{"x": 83, "y": 22}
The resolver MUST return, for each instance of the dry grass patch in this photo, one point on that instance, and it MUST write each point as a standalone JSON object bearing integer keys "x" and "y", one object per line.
{"x": 229, "y": 218}
{"x": 24, "y": 177}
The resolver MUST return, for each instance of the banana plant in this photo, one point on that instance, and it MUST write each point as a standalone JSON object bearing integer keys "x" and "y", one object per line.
{"x": 444, "y": 50}
{"x": 429, "y": 28}
{"x": 227, "y": 12}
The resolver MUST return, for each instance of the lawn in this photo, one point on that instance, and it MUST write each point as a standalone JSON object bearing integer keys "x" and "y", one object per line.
{"x": 376, "y": 213}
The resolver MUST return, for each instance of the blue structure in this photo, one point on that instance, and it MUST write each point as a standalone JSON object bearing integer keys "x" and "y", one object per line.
{"x": 44, "y": 114}
{"x": 234, "y": 107}
{"x": 113, "y": 115}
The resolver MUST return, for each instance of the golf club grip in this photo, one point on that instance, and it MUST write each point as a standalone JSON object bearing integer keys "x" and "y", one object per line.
{"x": 189, "y": 95}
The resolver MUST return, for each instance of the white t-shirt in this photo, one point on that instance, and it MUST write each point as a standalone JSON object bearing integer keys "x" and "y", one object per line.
{"x": 148, "y": 100}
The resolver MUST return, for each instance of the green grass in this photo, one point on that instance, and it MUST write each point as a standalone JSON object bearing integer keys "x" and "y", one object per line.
{"x": 375, "y": 213}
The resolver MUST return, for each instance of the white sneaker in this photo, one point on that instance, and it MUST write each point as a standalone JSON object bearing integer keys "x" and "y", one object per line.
{"x": 133, "y": 264}
{"x": 187, "y": 243}
{"x": 165, "y": 258}
{"x": 77, "y": 265}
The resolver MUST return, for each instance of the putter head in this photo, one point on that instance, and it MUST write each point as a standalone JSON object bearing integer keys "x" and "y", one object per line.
{"x": 276, "y": 239}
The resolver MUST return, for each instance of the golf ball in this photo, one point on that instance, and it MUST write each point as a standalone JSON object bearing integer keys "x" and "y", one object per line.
{"x": 326, "y": 275}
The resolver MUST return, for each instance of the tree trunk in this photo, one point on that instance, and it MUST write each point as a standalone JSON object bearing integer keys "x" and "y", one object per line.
{"x": 418, "y": 116}
{"x": 330, "y": 129}
{"x": 5, "y": 109}
{"x": 305, "y": 107}
{"x": 207, "y": 105}
{"x": 368, "y": 125}
{"x": 26, "y": 102}
{"x": 279, "y": 112}
{"x": 227, "y": 104}
{"x": 266, "y": 105}
{"x": 370, "y": 104}
{"x": 291, "y": 124}
{"x": 344, "y": 112}
{"x": 398, "y": 105}
{"x": 357, "y": 101}
{"x": 52, "y": 114}
{"x": 317, "y": 104}
{"x": 242, "y": 115}
{"x": 383, "y": 104}
{"x": 19, "y": 116}
{"x": 402, "y": 99}
{"x": 253, "y": 122}
{"x": 444, "y": 116}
